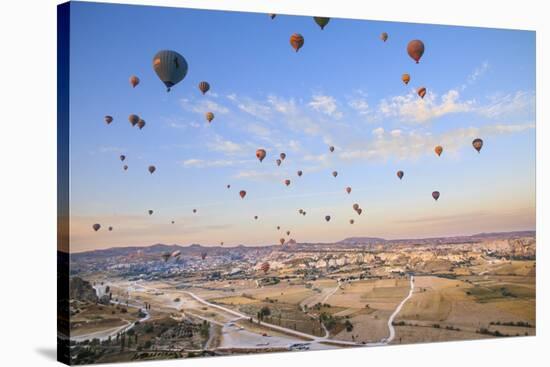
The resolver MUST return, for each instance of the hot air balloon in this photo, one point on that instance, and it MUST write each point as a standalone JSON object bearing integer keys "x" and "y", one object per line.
{"x": 165, "y": 256}
{"x": 421, "y": 92}
{"x": 299, "y": 173}
{"x": 351, "y": 221}
{"x": 221, "y": 243}
{"x": 287, "y": 182}
{"x": 272, "y": 16}
{"x": 438, "y": 150}
{"x": 348, "y": 189}
{"x": 255, "y": 217}
{"x": 209, "y": 117}
{"x": 282, "y": 241}
{"x": 260, "y": 154}
{"x": 334, "y": 173}
{"x": 384, "y": 36}
{"x": 288, "y": 233}
{"x": 108, "y": 119}
{"x": 122, "y": 157}
{"x": 110, "y": 228}
{"x": 151, "y": 169}
{"x": 304, "y": 213}
{"x": 134, "y": 119}
{"x": 321, "y": 21}
{"x": 170, "y": 67}
{"x": 278, "y": 161}
{"x": 435, "y": 195}
{"x": 228, "y": 186}
{"x": 203, "y": 255}
{"x": 296, "y": 41}
{"x": 172, "y": 222}
{"x": 355, "y": 206}
{"x": 150, "y": 212}
{"x": 141, "y": 124}
{"x": 477, "y": 144}
{"x": 400, "y": 174}
{"x": 406, "y": 78}
{"x": 331, "y": 148}
{"x": 278, "y": 227}
{"x": 415, "y": 49}
{"x": 242, "y": 194}
{"x": 204, "y": 87}
{"x": 125, "y": 167}
{"x": 359, "y": 211}
{"x": 194, "y": 210}
{"x": 265, "y": 267}
{"x": 96, "y": 227}
{"x": 283, "y": 156}
{"x": 134, "y": 81}
{"x": 327, "y": 218}
{"x": 300, "y": 211}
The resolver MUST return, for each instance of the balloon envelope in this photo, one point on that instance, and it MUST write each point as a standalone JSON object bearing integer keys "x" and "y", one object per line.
{"x": 151, "y": 169}
{"x": 400, "y": 174}
{"x": 435, "y": 195}
{"x": 299, "y": 173}
{"x": 321, "y": 21}
{"x": 242, "y": 194}
{"x": 170, "y": 67}
{"x": 260, "y": 154}
{"x": 415, "y": 49}
{"x": 327, "y": 217}
{"x": 108, "y": 119}
{"x": 296, "y": 41}
{"x": 421, "y": 92}
{"x": 134, "y": 119}
{"x": 438, "y": 150}
{"x": 348, "y": 189}
{"x": 204, "y": 87}
{"x": 406, "y": 78}
{"x": 477, "y": 144}
{"x": 96, "y": 227}
{"x": 209, "y": 116}
{"x": 134, "y": 81}
{"x": 384, "y": 36}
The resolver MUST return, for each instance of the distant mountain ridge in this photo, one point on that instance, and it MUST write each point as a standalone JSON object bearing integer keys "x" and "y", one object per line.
{"x": 196, "y": 249}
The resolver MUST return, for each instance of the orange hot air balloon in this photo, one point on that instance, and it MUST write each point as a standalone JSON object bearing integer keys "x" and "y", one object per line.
{"x": 435, "y": 195}
{"x": 265, "y": 267}
{"x": 287, "y": 182}
{"x": 108, "y": 119}
{"x": 421, "y": 92}
{"x": 278, "y": 162}
{"x": 134, "y": 81}
{"x": 415, "y": 49}
{"x": 242, "y": 194}
{"x": 194, "y": 210}
{"x": 283, "y": 156}
{"x": 331, "y": 148}
{"x": 125, "y": 167}
{"x": 438, "y": 150}
{"x": 150, "y": 212}
{"x": 296, "y": 41}
{"x": 96, "y": 227}
{"x": 122, "y": 157}
{"x": 355, "y": 206}
{"x": 351, "y": 221}
{"x": 141, "y": 124}
{"x": 334, "y": 173}
{"x": 209, "y": 117}
{"x": 288, "y": 233}
{"x": 299, "y": 173}
{"x": 204, "y": 87}
{"x": 477, "y": 144}
{"x": 348, "y": 189}
{"x": 260, "y": 154}
{"x": 400, "y": 174}
{"x": 151, "y": 169}
{"x": 134, "y": 119}
{"x": 406, "y": 78}
{"x": 327, "y": 218}
{"x": 384, "y": 36}
{"x": 359, "y": 211}
{"x": 282, "y": 241}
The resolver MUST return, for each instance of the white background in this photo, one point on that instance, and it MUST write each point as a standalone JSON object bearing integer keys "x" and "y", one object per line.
{"x": 28, "y": 181}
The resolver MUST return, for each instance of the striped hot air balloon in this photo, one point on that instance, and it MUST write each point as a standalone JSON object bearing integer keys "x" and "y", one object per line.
{"x": 204, "y": 87}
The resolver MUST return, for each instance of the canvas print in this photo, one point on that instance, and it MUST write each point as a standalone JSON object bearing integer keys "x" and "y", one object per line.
{"x": 234, "y": 183}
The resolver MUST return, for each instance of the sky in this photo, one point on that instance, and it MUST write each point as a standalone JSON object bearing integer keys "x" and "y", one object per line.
{"x": 343, "y": 88}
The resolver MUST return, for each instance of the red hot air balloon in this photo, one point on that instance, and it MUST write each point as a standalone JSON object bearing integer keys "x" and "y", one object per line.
{"x": 242, "y": 194}
{"x": 415, "y": 49}
{"x": 287, "y": 182}
{"x": 296, "y": 41}
{"x": 400, "y": 174}
{"x": 265, "y": 267}
{"x": 421, "y": 92}
{"x": 260, "y": 154}
{"x": 435, "y": 195}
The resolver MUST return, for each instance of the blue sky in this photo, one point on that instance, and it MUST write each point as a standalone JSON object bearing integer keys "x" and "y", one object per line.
{"x": 343, "y": 88}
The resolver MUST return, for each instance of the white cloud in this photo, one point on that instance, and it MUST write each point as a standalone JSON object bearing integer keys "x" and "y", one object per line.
{"x": 476, "y": 74}
{"x": 326, "y": 105}
{"x": 379, "y": 132}
{"x": 411, "y": 108}
{"x": 203, "y": 106}
{"x": 520, "y": 102}
{"x": 226, "y": 146}
{"x": 252, "y": 107}
{"x": 258, "y": 175}
{"x": 201, "y": 163}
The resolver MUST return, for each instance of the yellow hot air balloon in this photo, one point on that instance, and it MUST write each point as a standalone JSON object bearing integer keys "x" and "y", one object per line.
{"x": 406, "y": 78}
{"x": 209, "y": 117}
